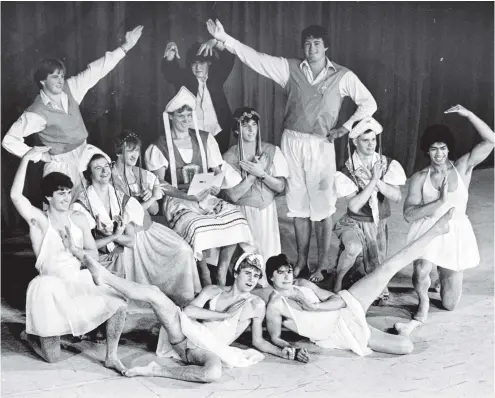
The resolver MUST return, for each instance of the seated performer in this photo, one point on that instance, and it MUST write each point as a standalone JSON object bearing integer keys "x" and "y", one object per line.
{"x": 339, "y": 320}
{"x": 131, "y": 245}
{"x": 442, "y": 185}
{"x": 204, "y": 75}
{"x": 260, "y": 173}
{"x": 210, "y": 222}
{"x": 204, "y": 346}
{"x": 56, "y": 117}
{"x": 63, "y": 299}
{"x": 135, "y": 181}
{"x": 376, "y": 179}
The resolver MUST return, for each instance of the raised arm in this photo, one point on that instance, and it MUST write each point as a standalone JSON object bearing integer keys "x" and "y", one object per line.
{"x": 171, "y": 70}
{"x": 481, "y": 151}
{"x": 81, "y": 83}
{"x": 27, "y": 211}
{"x": 274, "y": 68}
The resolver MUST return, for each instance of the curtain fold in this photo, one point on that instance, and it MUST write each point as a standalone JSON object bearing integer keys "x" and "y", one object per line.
{"x": 417, "y": 59}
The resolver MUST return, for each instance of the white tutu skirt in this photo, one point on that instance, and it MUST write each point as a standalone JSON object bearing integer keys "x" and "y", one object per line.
{"x": 75, "y": 305}
{"x": 456, "y": 250}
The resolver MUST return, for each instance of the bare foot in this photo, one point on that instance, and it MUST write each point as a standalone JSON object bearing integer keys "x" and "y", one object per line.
{"x": 405, "y": 329}
{"x": 148, "y": 370}
{"x": 316, "y": 276}
{"x": 116, "y": 364}
{"x": 95, "y": 268}
{"x": 442, "y": 225}
{"x": 385, "y": 295}
{"x": 297, "y": 270}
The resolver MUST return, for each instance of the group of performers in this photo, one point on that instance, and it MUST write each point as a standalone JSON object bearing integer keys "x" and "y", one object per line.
{"x": 100, "y": 248}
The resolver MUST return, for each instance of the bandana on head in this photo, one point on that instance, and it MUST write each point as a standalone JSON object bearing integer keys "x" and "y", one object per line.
{"x": 256, "y": 260}
{"x": 182, "y": 98}
{"x": 365, "y": 125}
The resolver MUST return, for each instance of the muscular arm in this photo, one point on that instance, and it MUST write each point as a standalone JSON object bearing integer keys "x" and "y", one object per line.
{"x": 257, "y": 331}
{"x": 276, "y": 184}
{"x": 481, "y": 151}
{"x": 357, "y": 201}
{"x": 274, "y": 323}
{"x": 235, "y": 193}
{"x": 195, "y": 308}
{"x": 413, "y": 207}
{"x": 89, "y": 245}
{"x": 391, "y": 192}
{"x": 329, "y": 301}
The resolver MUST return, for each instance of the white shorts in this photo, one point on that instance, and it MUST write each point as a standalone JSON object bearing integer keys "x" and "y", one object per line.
{"x": 310, "y": 186}
{"x": 73, "y": 163}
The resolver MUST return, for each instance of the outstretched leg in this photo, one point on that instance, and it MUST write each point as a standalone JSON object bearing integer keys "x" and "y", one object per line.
{"x": 389, "y": 343}
{"x": 370, "y": 286}
{"x": 323, "y": 241}
{"x": 302, "y": 227}
{"x": 226, "y": 254}
{"x": 352, "y": 249}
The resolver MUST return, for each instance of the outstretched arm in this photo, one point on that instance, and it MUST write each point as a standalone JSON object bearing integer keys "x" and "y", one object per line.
{"x": 274, "y": 68}
{"x": 22, "y": 204}
{"x": 81, "y": 83}
{"x": 481, "y": 151}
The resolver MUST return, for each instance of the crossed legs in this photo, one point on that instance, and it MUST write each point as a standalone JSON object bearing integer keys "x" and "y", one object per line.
{"x": 209, "y": 367}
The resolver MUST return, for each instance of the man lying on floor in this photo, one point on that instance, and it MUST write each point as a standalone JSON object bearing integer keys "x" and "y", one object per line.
{"x": 339, "y": 320}
{"x": 204, "y": 346}
{"x": 63, "y": 299}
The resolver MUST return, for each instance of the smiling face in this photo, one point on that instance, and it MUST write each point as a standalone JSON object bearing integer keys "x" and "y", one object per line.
{"x": 54, "y": 82}
{"x": 247, "y": 278}
{"x": 249, "y": 130}
{"x": 130, "y": 155}
{"x": 439, "y": 153}
{"x": 282, "y": 277}
{"x": 100, "y": 171}
{"x": 366, "y": 143}
{"x": 61, "y": 199}
{"x": 200, "y": 69}
{"x": 314, "y": 49}
{"x": 182, "y": 120}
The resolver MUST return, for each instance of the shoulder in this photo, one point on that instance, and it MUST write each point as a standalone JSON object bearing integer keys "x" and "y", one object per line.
{"x": 79, "y": 218}
{"x": 343, "y": 69}
{"x": 274, "y": 301}
{"x": 212, "y": 290}
{"x": 304, "y": 283}
{"x": 419, "y": 176}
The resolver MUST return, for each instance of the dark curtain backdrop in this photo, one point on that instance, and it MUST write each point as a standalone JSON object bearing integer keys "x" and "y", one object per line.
{"x": 416, "y": 58}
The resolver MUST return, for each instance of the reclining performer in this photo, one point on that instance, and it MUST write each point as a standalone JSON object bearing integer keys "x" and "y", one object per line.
{"x": 339, "y": 320}
{"x": 204, "y": 347}
{"x": 376, "y": 179}
{"x": 428, "y": 197}
{"x": 130, "y": 243}
{"x": 204, "y": 222}
{"x": 63, "y": 298}
{"x": 55, "y": 116}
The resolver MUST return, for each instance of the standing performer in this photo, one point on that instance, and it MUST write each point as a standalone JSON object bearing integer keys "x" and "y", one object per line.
{"x": 315, "y": 89}
{"x": 339, "y": 320}
{"x": 210, "y": 69}
{"x": 63, "y": 299}
{"x": 376, "y": 178}
{"x": 132, "y": 245}
{"x": 260, "y": 172}
{"x": 56, "y": 117}
{"x": 442, "y": 185}
{"x": 204, "y": 223}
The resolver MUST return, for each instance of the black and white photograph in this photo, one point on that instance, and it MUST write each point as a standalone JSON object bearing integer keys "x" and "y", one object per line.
{"x": 227, "y": 199}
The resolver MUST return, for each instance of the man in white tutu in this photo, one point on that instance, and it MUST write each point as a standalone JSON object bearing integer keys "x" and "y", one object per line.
{"x": 440, "y": 186}
{"x": 205, "y": 347}
{"x": 63, "y": 299}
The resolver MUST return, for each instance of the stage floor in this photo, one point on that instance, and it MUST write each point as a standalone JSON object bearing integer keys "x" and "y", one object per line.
{"x": 453, "y": 355}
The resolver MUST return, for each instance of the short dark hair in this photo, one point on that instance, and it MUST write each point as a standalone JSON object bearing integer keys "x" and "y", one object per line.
{"x": 316, "y": 32}
{"x": 274, "y": 263}
{"x": 55, "y": 181}
{"x": 192, "y": 55}
{"x": 437, "y": 133}
{"x": 244, "y": 114}
{"x": 87, "y": 172}
{"x": 47, "y": 67}
{"x": 128, "y": 139}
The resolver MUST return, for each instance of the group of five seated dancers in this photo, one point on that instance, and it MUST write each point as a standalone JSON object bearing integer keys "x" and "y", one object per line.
{"x": 99, "y": 251}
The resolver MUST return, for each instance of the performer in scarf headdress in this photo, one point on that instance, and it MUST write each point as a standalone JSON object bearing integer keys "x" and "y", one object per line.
{"x": 259, "y": 175}
{"x": 204, "y": 222}
{"x": 363, "y": 229}
{"x": 129, "y": 243}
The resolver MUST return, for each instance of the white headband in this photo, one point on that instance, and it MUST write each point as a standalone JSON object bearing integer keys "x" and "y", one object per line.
{"x": 243, "y": 257}
{"x": 366, "y": 124}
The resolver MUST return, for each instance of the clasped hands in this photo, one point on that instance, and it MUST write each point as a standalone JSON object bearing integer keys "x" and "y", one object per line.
{"x": 256, "y": 167}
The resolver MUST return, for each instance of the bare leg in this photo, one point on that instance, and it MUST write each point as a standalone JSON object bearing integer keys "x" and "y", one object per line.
{"x": 389, "y": 343}
{"x": 323, "y": 240}
{"x": 422, "y": 282}
{"x": 226, "y": 254}
{"x": 206, "y": 368}
{"x": 47, "y": 348}
{"x": 352, "y": 249}
{"x": 370, "y": 286}
{"x": 303, "y": 229}
{"x": 114, "y": 329}
{"x": 451, "y": 287}
{"x": 204, "y": 272}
